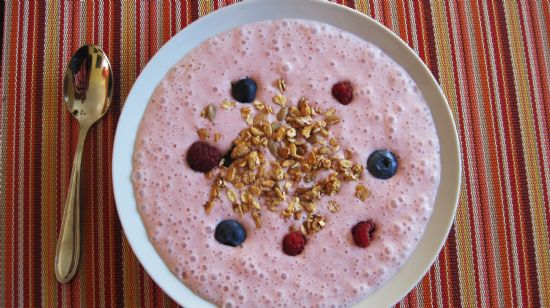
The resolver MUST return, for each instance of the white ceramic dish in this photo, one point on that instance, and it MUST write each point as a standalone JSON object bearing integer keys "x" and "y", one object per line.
{"x": 251, "y": 11}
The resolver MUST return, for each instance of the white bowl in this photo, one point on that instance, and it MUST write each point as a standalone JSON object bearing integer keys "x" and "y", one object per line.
{"x": 250, "y": 11}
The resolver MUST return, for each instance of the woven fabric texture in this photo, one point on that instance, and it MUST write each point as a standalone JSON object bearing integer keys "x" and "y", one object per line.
{"x": 492, "y": 59}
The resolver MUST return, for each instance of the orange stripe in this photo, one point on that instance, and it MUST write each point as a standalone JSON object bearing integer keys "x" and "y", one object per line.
{"x": 493, "y": 153}
{"x": 10, "y": 172}
{"x": 32, "y": 148}
{"x": 539, "y": 47}
{"x": 386, "y": 12}
{"x": 478, "y": 136}
{"x": 400, "y": 9}
{"x": 526, "y": 98}
{"x": 512, "y": 142}
{"x": 425, "y": 288}
{"x": 90, "y": 7}
{"x": 504, "y": 212}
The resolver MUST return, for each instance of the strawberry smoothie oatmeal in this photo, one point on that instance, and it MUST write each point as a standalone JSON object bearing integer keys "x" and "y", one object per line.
{"x": 286, "y": 163}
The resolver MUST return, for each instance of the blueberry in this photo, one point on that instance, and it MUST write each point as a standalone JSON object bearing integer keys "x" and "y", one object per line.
{"x": 244, "y": 90}
{"x": 230, "y": 232}
{"x": 227, "y": 159}
{"x": 382, "y": 164}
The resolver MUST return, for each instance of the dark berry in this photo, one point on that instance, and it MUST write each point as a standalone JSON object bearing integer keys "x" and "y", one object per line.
{"x": 203, "y": 157}
{"x": 230, "y": 232}
{"x": 227, "y": 159}
{"x": 294, "y": 243}
{"x": 343, "y": 92}
{"x": 382, "y": 164}
{"x": 244, "y": 90}
{"x": 362, "y": 233}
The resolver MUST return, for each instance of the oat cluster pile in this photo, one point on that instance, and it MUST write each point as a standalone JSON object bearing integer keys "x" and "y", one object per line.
{"x": 284, "y": 162}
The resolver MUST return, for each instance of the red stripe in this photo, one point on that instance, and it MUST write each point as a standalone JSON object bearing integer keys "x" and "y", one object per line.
{"x": 476, "y": 118}
{"x": 194, "y": 10}
{"x": 173, "y": 29}
{"x": 107, "y": 264}
{"x": 92, "y": 273}
{"x": 408, "y": 18}
{"x": 419, "y": 31}
{"x": 386, "y": 14}
{"x": 89, "y": 25}
{"x": 546, "y": 12}
{"x": 514, "y": 151}
{"x": 432, "y": 64}
{"x": 37, "y": 180}
{"x": 25, "y": 174}
{"x": 496, "y": 156}
{"x": 156, "y": 293}
{"x": 532, "y": 261}
{"x": 401, "y": 21}
{"x": 544, "y": 86}
{"x": 71, "y": 289}
{"x": 184, "y": 16}
{"x": 167, "y": 22}
{"x": 455, "y": 289}
{"x": 430, "y": 38}
{"x": 546, "y": 21}
{"x": 59, "y": 195}
{"x": 138, "y": 37}
{"x": 115, "y": 111}
{"x": 75, "y": 289}
{"x": 426, "y": 289}
{"x": 149, "y": 35}
{"x": 349, "y": 3}
{"x": 433, "y": 286}
{"x": 31, "y": 160}
{"x": 73, "y": 298}
{"x": 372, "y": 10}
{"x": 95, "y": 13}
{"x": 498, "y": 69}
{"x": 17, "y": 159}
{"x": 444, "y": 281}
{"x": 141, "y": 273}
{"x": 152, "y": 29}
{"x": 141, "y": 287}
{"x": 2, "y": 30}
{"x": 27, "y": 142}
{"x": 465, "y": 162}
{"x": 96, "y": 268}
{"x": 113, "y": 251}
{"x": 87, "y": 201}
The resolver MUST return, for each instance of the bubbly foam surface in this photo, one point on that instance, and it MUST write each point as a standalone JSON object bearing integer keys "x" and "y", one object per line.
{"x": 388, "y": 112}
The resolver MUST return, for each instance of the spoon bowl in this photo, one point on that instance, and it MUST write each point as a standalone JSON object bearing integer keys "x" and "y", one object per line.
{"x": 87, "y": 93}
{"x": 88, "y": 84}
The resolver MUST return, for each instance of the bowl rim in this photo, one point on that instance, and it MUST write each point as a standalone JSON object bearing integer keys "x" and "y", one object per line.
{"x": 436, "y": 231}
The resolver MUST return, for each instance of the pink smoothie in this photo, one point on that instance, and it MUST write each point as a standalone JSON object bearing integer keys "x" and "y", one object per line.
{"x": 387, "y": 112}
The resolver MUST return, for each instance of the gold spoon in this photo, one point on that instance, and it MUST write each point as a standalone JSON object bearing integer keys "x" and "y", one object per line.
{"x": 87, "y": 93}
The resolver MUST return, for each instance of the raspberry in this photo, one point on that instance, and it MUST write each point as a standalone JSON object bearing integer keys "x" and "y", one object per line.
{"x": 203, "y": 157}
{"x": 294, "y": 243}
{"x": 362, "y": 233}
{"x": 343, "y": 92}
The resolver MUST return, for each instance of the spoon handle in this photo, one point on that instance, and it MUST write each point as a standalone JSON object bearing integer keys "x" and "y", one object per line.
{"x": 68, "y": 243}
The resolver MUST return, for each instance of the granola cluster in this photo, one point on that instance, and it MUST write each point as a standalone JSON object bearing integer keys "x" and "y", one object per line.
{"x": 285, "y": 161}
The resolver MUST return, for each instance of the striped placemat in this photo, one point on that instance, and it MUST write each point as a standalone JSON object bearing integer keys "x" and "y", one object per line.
{"x": 491, "y": 58}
